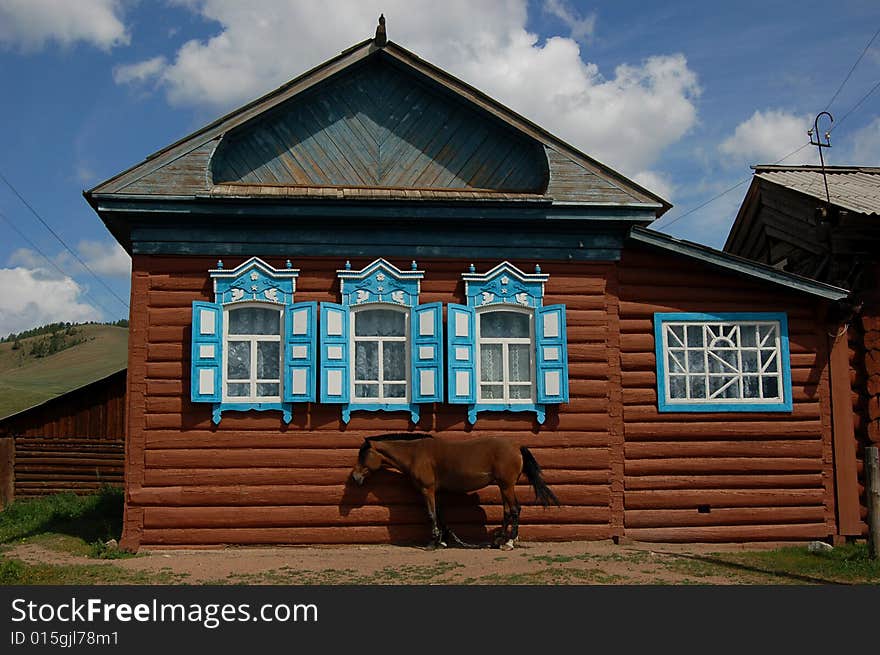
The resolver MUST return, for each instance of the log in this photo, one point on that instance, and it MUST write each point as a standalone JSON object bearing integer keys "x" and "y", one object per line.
{"x": 310, "y": 515}
{"x": 389, "y": 492}
{"x": 721, "y": 465}
{"x": 742, "y": 481}
{"x": 673, "y": 449}
{"x": 726, "y": 533}
{"x": 671, "y": 518}
{"x": 692, "y": 499}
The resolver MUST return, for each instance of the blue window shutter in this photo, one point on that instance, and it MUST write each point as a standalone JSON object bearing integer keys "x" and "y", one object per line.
{"x": 300, "y": 358}
{"x": 552, "y": 354}
{"x": 206, "y": 380}
{"x": 427, "y": 353}
{"x": 335, "y": 355}
{"x": 461, "y": 353}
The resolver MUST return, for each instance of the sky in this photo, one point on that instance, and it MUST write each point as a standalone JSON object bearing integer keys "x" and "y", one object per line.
{"x": 681, "y": 96}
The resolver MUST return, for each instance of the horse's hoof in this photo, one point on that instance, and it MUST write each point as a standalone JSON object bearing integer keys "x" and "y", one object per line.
{"x": 507, "y": 545}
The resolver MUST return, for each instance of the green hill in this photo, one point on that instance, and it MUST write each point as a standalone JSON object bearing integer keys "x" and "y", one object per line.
{"x": 27, "y": 379}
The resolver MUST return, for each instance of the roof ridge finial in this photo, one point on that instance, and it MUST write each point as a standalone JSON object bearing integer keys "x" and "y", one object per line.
{"x": 381, "y": 35}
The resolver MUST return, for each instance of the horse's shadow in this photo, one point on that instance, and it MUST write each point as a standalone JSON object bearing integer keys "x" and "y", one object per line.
{"x": 407, "y": 520}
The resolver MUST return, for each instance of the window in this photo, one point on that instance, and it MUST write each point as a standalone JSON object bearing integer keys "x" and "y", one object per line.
{"x": 507, "y": 352}
{"x": 253, "y": 354}
{"x": 722, "y": 362}
{"x": 380, "y": 355}
{"x": 253, "y": 348}
{"x": 380, "y": 348}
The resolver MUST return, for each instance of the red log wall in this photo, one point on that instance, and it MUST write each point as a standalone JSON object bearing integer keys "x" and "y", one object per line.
{"x": 618, "y": 467}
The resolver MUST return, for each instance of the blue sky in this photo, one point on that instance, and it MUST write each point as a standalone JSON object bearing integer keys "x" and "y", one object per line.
{"x": 682, "y": 96}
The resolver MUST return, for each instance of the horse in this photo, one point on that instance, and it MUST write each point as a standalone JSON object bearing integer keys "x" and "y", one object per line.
{"x": 435, "y": 464}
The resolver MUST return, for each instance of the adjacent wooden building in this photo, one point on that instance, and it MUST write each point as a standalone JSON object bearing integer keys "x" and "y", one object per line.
{"x": 71, "y": 443}
{"x": 824, "y": 225}
{"x": 377, "y": 246}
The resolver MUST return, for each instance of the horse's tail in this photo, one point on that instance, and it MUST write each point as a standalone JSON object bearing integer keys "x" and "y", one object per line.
{"x": 543, "y": 493}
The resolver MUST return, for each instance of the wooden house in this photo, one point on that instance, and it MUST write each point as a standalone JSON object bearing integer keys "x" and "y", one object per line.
{"x": 825, "y": 226}
{"x": 377, "y": 246}
{"x": 71, "y": 443}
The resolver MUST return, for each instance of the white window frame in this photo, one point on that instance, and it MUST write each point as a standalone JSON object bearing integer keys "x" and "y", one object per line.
{"x": 782, "y": 401}
{"x": 506, "y": 341}
{"x": 405, "y": 339}
{"x": 253, "y": 339}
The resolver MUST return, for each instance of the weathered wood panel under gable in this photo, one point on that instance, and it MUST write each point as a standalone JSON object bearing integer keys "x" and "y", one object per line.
{"x": 377, "y": 126}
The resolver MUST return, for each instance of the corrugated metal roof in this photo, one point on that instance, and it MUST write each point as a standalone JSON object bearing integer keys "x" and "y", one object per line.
{"x": 854, "y": 188}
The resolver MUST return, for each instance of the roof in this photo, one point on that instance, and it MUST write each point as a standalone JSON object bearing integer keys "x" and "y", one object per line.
{"x": 736, "y": 264}
{"x": 234, "y": 155}
{"x": 855, "y": 188}
{"x": 94, "y": 383}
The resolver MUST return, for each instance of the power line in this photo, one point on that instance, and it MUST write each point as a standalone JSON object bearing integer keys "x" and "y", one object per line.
{"x": 52, "y": 263}
{"x": 728, "y": 190}
{"x": 61, "y": 241}
{"x": 855, "y": 106}
{"x": 846, "y": 79}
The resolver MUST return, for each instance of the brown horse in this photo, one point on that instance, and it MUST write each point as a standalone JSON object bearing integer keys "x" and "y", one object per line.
{"x": 435, "y": 464}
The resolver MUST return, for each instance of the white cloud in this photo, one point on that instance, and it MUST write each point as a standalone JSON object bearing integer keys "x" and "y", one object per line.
{"x": 105, "y": 257}
{"x": 659, "y": 183}
{"x": 139, "y": 72}
{"x": 31, "y": 24}
{"x": 624, "y": 120}
{"x": 32, "y": 298}
{"x": 768, "y": 136}
{"x": 581, "y": 27}
{"x": 865, "y": 145}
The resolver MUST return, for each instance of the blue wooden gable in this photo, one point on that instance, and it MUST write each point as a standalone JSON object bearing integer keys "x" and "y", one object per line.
{"x": 380, "y": 282}
{"x": 254, "y": 280}
{"x": 380, "y": 125}
{"x": 505, "y": 284}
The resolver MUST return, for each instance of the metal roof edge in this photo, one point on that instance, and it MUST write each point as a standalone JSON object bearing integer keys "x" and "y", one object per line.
{"x": 737, "y": 264}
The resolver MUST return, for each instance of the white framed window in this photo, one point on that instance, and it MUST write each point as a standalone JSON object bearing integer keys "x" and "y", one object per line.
{"x": 381, "y": 348}
{"x": 505, "y": 356}
{"x": 252, "y": 353}
{"x": 723, "y": 362}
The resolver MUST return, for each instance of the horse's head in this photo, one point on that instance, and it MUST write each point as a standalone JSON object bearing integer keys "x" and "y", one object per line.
{"x": 368, "y": 460}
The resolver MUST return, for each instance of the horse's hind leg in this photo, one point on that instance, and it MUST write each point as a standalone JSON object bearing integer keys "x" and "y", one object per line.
{"x": 436, "y": 533}
{"x": 511, "y": 515}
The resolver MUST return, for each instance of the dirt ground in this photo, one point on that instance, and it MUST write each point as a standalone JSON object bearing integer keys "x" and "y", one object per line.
{"x": 529, "y": 563}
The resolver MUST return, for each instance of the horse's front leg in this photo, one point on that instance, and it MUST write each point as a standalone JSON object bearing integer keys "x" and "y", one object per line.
{"x": 431, "y": 504}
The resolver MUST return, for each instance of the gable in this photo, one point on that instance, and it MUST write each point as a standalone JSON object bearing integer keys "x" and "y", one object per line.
{"x": 378, "y": 126}
{"x": 376, "y": 123}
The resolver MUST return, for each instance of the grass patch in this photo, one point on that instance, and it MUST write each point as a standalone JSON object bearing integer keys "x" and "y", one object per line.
{"x": 92, "y": 518}
{"x": 16, "y": 572}
{"x": 848, "y": 563}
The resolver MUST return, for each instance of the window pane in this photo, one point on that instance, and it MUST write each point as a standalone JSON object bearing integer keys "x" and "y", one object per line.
{"x": 254, "y": 320}
{"x": 771, "y": 387}
{"x": 677, "y": 386}
{"x": 696, "y": 361}
{"x": 723, "y": 386}
{"x": 750, "y": 361}
{"x": 504, "y": 324}
{"x": 394, "y": 390}
{"x": 722, "y": 361}
{"x": 238, "y": 360}
{"x": 394, "y": 360}
{"x": 366, "y": 361}
{"x": 491, "y": 362}
{"x": 698, "y": 386}
{"x": 751, "y": 386}
{"x": 379, "y": 323}
{"x": 366, "y": 390}
{"x": 695, "y": 336}
{"x": 238, "y": 389}
{"x": 268, "y": 362}
{"x": 519, "y": 362}
{"x": 521, "y": 391}
{"x": 767, "y": 335}
{"x": 267, "y": 389}
{"x": 675, "y": 363}
{"x": 769, "y": 361}
{"x": 675, "y": 336}
{"x": 748, "y": 335}
{"x": 491, "y": 391}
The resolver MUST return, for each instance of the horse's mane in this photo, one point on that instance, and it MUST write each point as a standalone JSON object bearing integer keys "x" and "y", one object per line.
{"x": 392, "y": 436}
